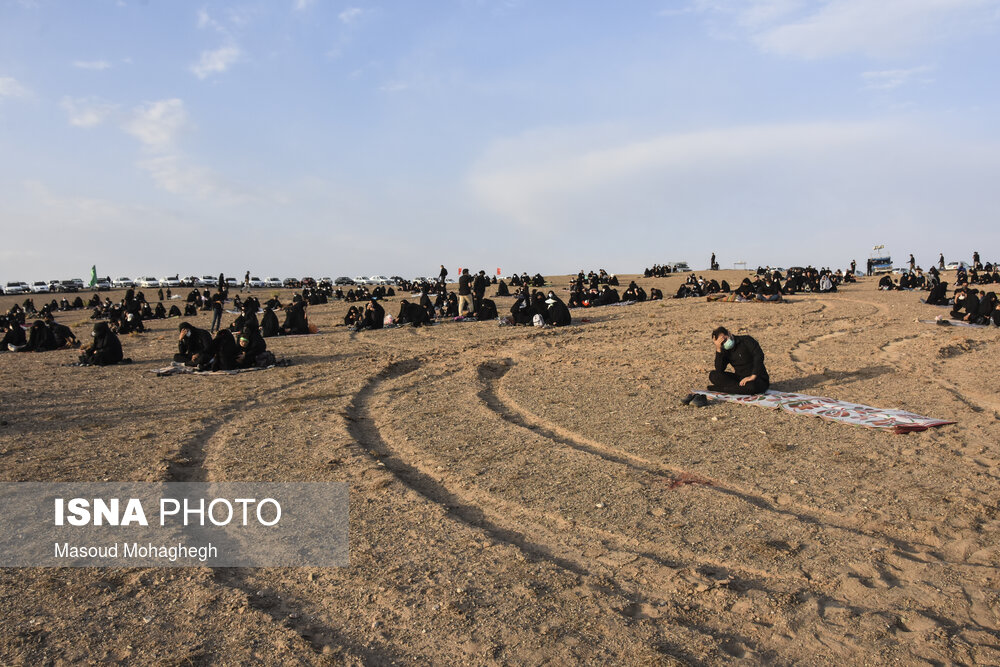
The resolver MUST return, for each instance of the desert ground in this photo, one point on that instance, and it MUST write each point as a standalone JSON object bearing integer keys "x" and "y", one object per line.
{"x": 540, "y": 496}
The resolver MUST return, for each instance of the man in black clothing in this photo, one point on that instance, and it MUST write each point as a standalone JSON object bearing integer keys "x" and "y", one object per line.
{"x": 105, "y": 350}
{"x": 479, "y": 284}
{"x": 443, "y": 276}
{"x": 966, "y": 305}
{"x": 465, "y": 293}
{"x": 747, "y": 359}
{"x": 194, "y": 345}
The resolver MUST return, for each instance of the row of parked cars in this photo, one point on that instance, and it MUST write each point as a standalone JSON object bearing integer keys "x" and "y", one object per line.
{"x": 174, "y": 282}
{"x": 42, "y": 287}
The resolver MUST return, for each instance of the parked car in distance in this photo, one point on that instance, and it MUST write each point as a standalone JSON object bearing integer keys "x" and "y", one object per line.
{"x": 70, "y": 286}
{"x": 17, "y": 287}
{"x": 291, "y": 282}
{"x": 326, "y": 281}
{"x": 148, "y": 281}
{"x": 124, "y": 282}
{"x": 308, "y": 281}
{"x": 380, "y": 280}
{"x": 231, "y": 282}
{"x": 170, "y": 281}
{"x": 40, "y": 287}
{"x": 420, "y": 279}
{"x": 256, "y": 282}
{"x": 396, "y": 279}
{"x": 103, "y": 284}
{"x": 954, "y": 266}
{"x": 272, "y": 282}
{"x": 343, "y": 280}
{"x": 361, "y": 280}
{"x": 208, "y": 281}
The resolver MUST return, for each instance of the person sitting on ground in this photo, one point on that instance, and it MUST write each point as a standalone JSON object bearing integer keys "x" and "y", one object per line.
{"x": 634, "y": 293}
{"x": 746, "y": 290}
{"x": 938, "y": 295}
{"x": 770, "y": 290}
{"x": 502, "y": 289}
{"x": 224, "y": 351}
{"x": 252, "y": 348}
{"x": 194, "y": 345}
{"x": 522, "y": 310}
{"x": 373, "y": 316}
{"x": 966, "y": 304}
{"x": 747, "y": 359}
{"x": 425, "y": 302}
{"x": 608, "y": 296}
{"x": 40, "y": 338}
{"x": 269, "y": 326}
{"x": 487, "y": 310}
{"x": 987, "y": 306}
{"x": 62, "y": 334}
{"x": 350, "y": 319}
{"x": 412, "y": 314}
{"x": 886, "y": 283}
{"x": 296, "y": 323}
{"x": 14, "y": 339}
{"x": 557, "y": 314}
{"x": 655, "y": 294}
{"x": 105, "y": 350}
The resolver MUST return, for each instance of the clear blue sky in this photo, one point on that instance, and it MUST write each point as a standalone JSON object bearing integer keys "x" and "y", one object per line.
{"x": 321, "y": 137}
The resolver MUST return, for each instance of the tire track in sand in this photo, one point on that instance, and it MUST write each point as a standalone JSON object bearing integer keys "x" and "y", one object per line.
{"x": 509, "y": 410}
{"x": 189, "y": 464}
{"x": 533, "y": 539}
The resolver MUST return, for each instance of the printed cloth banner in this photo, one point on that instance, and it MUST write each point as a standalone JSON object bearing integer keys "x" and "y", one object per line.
{"x": 897, "y": 421}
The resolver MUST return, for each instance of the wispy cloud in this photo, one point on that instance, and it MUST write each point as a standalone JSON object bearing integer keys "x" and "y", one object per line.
{"x": 351, "y": 15}
{"x": 86, "y": 111}
{"x": 301, "y": 5}
{"x": 814, "y": 174}
{"x": 11, "y": 87}
{"x": 216, "y": 61}
{"x": 841, "y": 27}
{"x": 177, "y": 175}
{"x": 92, "y": 64}
{"x": 157, "y": 124}
{"x": 896, "y": 78}
{"x": 395, "y": 86}
{"x": 205, "y": 20}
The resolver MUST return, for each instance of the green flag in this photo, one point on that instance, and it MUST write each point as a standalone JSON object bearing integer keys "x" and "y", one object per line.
{"x": 93, "y": 275}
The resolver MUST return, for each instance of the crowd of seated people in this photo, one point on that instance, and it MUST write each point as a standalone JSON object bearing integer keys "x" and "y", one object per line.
{"x": 592, "y": 280}
{"x": 523, "y": 280}
{"x": 985, "y": 275}
{"x": 698, "y": 286}
{"x": 975, "y": 306}
{"x": 223, "y": 352}
{"x": 534, "y": 307}
{"x": 658, "y": 271}
{"x": 592, "y": 296}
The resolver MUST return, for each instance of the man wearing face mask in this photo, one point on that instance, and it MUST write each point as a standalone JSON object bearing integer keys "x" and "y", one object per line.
{"x": 747, "y": 359}
{"x": 194, "y": 346}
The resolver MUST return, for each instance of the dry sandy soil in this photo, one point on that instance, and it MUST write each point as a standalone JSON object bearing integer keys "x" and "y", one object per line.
{"x": 531, "y": 496}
